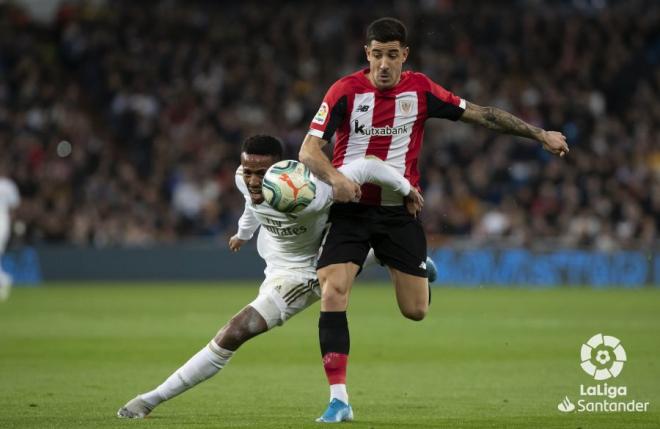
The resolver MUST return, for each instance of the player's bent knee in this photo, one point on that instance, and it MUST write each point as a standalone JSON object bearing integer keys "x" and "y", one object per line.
{"x": 326, "y": 272}
{"x": 334, "y": 295}
{"x": 336, "y": 281}
{"x": 415, "y": 309}
{"x": 248, "y": 323}
{"x": 417, "y": 313}
{"x": 412, "y": 296}
{"x": 331, "y": 277}
{"x": 337, "y": 277}
{"x": 334, "y": 286}
{"x": 334, "y": 289}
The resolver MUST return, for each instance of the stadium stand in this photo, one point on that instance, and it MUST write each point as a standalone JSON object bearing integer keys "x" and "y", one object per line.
{"x": 154, "y": 111}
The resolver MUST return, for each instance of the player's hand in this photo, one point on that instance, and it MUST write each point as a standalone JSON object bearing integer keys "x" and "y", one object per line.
{"x": 414, "y": 202}
{"x": 345, "y": 190}
{"x": 555, "y": 143}
{"x": 235, "y": 243}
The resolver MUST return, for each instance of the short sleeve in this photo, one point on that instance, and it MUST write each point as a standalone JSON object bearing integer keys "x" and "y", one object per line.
{"x": 331, "y": 113}
{"x": 441, "y": 103}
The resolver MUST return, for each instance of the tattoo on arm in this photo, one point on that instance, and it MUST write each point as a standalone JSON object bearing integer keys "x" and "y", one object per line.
{"x": 498, "y": 120}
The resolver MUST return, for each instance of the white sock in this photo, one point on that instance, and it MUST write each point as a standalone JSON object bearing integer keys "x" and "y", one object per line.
{"x": 205, "y": 364}
{"x": 370, "y": 259}
{"x": 338, "y": 391}
{"x": 5, "y": 279}
{"x": 5, "y": 286}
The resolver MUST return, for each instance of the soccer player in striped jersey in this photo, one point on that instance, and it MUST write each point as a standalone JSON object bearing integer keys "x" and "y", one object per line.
{"x": 289, "y": 245}
{"x": 381, "y": 111}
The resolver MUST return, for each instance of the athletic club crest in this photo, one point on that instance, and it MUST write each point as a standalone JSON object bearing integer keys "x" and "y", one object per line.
{"x": 406, "y": 106}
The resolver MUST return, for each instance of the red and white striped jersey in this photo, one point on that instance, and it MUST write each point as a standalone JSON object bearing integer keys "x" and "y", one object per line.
{"x": 387, "y": 124}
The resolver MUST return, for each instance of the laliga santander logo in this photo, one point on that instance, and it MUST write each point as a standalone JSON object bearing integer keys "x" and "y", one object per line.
{"x": 602, "y": 357}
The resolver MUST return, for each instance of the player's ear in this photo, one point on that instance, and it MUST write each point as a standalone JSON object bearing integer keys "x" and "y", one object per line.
{"x": 406, "y": 51}
{"x": 367, "y": 51}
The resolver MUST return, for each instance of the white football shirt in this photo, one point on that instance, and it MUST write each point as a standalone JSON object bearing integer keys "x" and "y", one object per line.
{"x": 9, "y": 199}
{"x": 292, "y": 240}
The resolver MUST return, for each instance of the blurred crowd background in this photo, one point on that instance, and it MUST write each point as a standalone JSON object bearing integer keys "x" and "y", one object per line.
{"x": 121, "y": 121}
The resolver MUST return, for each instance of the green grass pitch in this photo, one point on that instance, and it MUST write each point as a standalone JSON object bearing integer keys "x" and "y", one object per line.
{"x": 71, "y": 355}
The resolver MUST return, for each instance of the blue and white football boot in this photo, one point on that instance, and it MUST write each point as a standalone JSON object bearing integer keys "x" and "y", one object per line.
{"x": 337, "y": 412}
{"x": 431, "y": 270}
{"x": 431, "y": 273}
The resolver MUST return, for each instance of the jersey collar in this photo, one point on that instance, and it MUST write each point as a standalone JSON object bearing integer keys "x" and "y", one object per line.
{"x": 363, "y": 75}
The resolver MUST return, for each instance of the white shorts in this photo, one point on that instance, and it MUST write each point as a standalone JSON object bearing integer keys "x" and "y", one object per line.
{"x": 283, "y": 294}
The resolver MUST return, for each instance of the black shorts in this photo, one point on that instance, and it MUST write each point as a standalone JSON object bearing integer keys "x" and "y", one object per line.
{"x": 397, "y": 238}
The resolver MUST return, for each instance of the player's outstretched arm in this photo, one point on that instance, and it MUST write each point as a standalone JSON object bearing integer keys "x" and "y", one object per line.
{"x": 504, "y": 122}
{"x": 374, "y": 170}
{"x": 248, "y": 222}
{"x": 343, "y": 189}
{"x": 247, "y": 226}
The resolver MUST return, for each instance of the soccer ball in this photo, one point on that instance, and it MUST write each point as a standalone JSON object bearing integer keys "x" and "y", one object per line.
{"x": 287, "y": 186}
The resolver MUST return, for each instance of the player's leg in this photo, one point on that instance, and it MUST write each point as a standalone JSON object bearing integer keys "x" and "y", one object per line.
{"x": 245, "y": 325}
{"x": 431, "y": 269}
{"x": 412, "y": 294}
{"x": 343, "y": 252}
{"x": 336, "y": 282}
{"x": 280, "y": 297}
{"x": 400, "y": 243}
{"x": 334, "y": 338}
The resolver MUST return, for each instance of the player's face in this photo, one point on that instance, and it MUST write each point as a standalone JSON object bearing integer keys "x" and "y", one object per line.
{"x": 385, "y": 63}
{"x": 254, "y": 170}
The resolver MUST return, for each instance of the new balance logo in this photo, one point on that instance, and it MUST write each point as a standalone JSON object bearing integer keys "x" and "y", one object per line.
{"x": 362, "y": 108}
{"x": 379, "y": 131}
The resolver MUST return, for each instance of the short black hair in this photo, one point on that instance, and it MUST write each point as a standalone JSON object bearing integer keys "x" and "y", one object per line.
{"x": 262, "y": 144}
{"x": 387, "y": 30}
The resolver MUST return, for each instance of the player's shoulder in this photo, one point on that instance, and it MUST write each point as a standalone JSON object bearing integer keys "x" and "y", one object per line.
{"x": 353, "y": 82}
{"x": 417, "y": 78}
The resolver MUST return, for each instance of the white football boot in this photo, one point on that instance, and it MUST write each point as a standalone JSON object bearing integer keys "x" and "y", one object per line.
{"x": 136, "y": 408}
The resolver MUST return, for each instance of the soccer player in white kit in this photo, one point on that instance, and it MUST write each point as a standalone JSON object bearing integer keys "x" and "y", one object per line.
{"x": 9, "y": 200}
{"x": 289, "y": 244}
